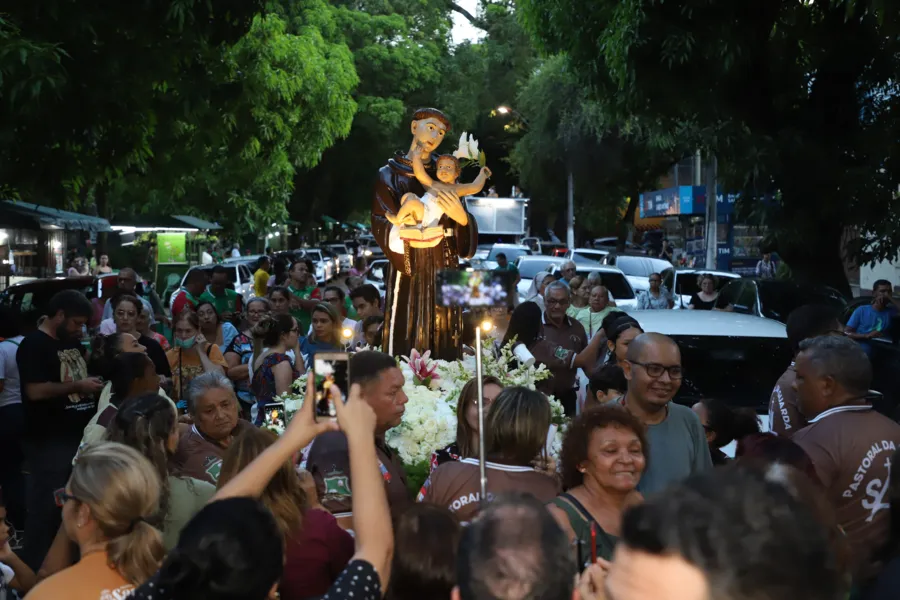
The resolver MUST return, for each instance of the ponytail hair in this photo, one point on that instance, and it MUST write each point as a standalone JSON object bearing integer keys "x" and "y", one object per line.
{"x": 729, "y": 424}
{"x": 268, "y": 332}
{"x": 121, "y": 489}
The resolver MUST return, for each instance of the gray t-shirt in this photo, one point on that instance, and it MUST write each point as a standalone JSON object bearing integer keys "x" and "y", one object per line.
{"x": 678, "y": 449}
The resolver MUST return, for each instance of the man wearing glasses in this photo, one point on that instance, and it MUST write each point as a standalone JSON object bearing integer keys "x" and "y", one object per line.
{"x": 677, "y": 441}
{"x": 127, "y": 282}
{"x": 568, "y": 271}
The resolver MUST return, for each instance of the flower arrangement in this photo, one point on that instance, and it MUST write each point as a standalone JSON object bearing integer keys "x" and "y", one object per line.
{"x": 433, "y": 387}
{"x": 468, "y": 152}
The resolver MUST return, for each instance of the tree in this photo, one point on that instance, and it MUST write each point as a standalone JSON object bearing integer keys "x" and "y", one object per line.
{"x": 799, "y": 101}
{"x": 567, "y": 129}
{"x": 179, "y": 105}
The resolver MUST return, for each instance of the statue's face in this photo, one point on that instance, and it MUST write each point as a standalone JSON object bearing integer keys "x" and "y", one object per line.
{"x": 447, "y": 171}
{"x": 429, "y": 133}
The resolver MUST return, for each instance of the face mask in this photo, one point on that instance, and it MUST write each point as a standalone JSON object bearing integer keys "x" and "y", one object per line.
{"x": 186, "y": 344}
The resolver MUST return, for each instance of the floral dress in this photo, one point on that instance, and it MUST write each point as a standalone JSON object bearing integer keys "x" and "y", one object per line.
{"x": 263, "y": 386}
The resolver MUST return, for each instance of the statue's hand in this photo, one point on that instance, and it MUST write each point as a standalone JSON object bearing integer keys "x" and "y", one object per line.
{"x": 450, "y": 203}
{"x": 485, "y": 171}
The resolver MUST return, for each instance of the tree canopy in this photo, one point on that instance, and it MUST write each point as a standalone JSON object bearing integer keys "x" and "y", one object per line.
{"x": 798, "y": 100}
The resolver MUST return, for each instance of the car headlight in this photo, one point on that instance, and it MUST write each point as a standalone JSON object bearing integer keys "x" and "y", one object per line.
{"x": 368, "y": 253}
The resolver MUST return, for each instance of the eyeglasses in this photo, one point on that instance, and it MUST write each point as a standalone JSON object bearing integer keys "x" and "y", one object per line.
{"x": 61, "y": 497}
{"x": 656, "y": 370}
{"x": 257, "y": 313}
{"x": 555, "y": 302}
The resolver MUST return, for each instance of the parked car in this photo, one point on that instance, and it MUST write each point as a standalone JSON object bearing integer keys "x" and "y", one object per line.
{"x": 637, "y": 268}
{"x": 324, "y": 265}
{"x": 611, "y": 243}
{"x": 345, "y": 257}
{"x": 775, "y": 298}
{"x": 333, "y": 258}
{"x": 251, "y": 260}
{"x": 613, "y": 279}
{"x": 378, "y": 274}
{"x": 30, "y": 298}
{"x": 529, "y": 266}
{"x": 369, "y": 248}
{"x": 733, "y": 357}
{"x": 684, "y": 283}
{"x": 239, "y": 275}
{"x": 587, "y": 256}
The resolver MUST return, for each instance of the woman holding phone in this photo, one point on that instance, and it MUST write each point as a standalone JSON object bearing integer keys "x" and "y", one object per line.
{"x": 603, "y": 456}
{"x": 191, "y": 356}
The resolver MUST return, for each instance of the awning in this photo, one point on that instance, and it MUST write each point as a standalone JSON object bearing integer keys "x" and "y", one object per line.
{"x": 163, "y": 223}
{"x": 360, "y": 226}
{"x": 25, "y": 214}
{"x": 329, "y": 220}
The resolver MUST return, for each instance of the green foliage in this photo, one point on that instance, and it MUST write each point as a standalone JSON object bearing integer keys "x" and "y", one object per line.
{"x": 179, "y": 106}
{"x": 799, "y": 100}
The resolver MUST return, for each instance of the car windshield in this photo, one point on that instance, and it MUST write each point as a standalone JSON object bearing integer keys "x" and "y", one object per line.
{"x": 338, "y": 249}
{"x": 511, "y": 253}
{"x": 688, "y": 284}
{"x": 586, "y": 257}
{"x": 780, "y": 298}
{"x": 232, "y": 273}
{"x": 616, "y": 283}
{"x": 377, "y": 271}
{"x": 531, "y": 267}
{"x": 716, "y": 367}
{"x": 631, "y": 265}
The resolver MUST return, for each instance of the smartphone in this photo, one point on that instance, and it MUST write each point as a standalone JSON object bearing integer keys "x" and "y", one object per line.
{"x": 330, "y": 369}
{"x": 274, "y": 415}
{"x": 474, "y": 289}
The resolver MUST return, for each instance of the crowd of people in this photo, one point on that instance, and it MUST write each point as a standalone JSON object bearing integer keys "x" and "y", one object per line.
{"x": 132, "y": 469}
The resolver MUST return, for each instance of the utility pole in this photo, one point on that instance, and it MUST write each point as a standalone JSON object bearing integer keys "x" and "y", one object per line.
{"x": 570, "y": 216}
{"x": 712, "y": 245}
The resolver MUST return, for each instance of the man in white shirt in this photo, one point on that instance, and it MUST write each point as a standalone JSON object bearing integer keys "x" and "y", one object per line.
{"x": 205, "y": 257}
{"x": 236, "y": 251}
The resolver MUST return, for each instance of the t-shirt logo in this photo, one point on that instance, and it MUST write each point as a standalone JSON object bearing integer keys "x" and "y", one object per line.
{"x": 337, "y": 485}
{"x": 213, "y": 467}
{"x": 120, "y": 593}
{"x": 876, "y": 491}
{"x": 71, "y": 368}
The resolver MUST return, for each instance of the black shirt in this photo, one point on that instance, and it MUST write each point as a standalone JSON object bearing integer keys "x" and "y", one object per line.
{"x": 157, "y": 355}
{"x": 699, "y": 304}
{"x": 43, "y": 359}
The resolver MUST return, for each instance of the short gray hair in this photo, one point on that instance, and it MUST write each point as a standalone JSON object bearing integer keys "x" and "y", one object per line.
{"x": 557, "y": 285}
{"x": 594, "y": 278}
{"x": 841, "y": 359}
{"x": 204, "y": 383}
{"x": 567, "y": 264}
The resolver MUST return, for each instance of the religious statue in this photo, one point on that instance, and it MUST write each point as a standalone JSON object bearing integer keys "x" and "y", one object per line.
{"x": 423, "y": 231}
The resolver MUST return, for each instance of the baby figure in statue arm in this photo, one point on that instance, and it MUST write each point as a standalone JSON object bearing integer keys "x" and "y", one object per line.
{"x": 428, "y": 209}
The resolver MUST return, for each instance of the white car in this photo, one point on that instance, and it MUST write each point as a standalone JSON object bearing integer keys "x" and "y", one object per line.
{"x": 238, "y": 274}
{"x": 529, "y": 266}
{"x": 684, "y": 283}
{"x": 613, "y": 280}
{"x": 587, "y": 256}
{"x": 637, "y": 268}
{"x": 324, "y": 266}
{"x": 345, "y": 257}
{"x": 378, "y": 274}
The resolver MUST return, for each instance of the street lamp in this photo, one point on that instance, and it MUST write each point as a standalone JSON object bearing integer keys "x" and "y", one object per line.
{"x": 503, "y": 110}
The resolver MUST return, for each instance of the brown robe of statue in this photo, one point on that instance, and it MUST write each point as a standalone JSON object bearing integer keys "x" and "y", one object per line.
{"x": 417, "y": 322}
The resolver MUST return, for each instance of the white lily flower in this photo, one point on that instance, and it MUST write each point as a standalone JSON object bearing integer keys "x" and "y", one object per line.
{"x": 463, "y": 148}
{"x": 473, "y": 147}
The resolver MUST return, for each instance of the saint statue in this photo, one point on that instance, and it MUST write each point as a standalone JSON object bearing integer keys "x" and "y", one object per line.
{"x": 430, "y": 235}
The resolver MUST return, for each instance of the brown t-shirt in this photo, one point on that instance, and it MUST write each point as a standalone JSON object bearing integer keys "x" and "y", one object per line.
{"x": 198, "y": 456}
{"x": 784, "y": 411}
{"x": 457, "y": 485}
{"x": 851, "y": 448}
{"x": 556, "y": 347}
{"x": 329, "y": 464}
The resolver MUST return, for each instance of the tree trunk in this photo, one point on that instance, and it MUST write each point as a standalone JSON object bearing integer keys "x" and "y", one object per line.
{"x": 627, "y": 220}
{"x": 818, "y": 261}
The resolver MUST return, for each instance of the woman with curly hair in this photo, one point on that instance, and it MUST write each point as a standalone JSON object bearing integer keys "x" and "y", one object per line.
{"x": 316, "y": 548}
{"x": 603, "y": 456}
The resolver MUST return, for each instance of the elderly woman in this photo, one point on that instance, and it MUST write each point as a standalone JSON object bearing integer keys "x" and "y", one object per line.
{"x": 466, "y": 444}
{"x": 516, "y": 432}
{"x": 657, "y": 297}
{"x": 536, "y": 291}
{"x": 598, "y": 307}
{"x": 706, "y": 298}
{"x": 580, "y": 292}
{"x": 213, "y": 406}
{"x": 603, "y": 455}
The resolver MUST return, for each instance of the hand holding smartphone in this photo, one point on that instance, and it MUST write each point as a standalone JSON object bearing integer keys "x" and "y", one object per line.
{"x": 330, "y": 369}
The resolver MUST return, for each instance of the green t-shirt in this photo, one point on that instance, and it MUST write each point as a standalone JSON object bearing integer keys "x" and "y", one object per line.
{"x": 351, "y": 312}
{"x": 230, "y": 302}
{"x": 304, "y": 317}
{"x": 186, "y": 497}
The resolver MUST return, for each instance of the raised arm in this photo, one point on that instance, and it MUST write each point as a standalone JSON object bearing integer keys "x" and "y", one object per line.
{"x": 467, "y": 189}
{"x": 419, "y": 169}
